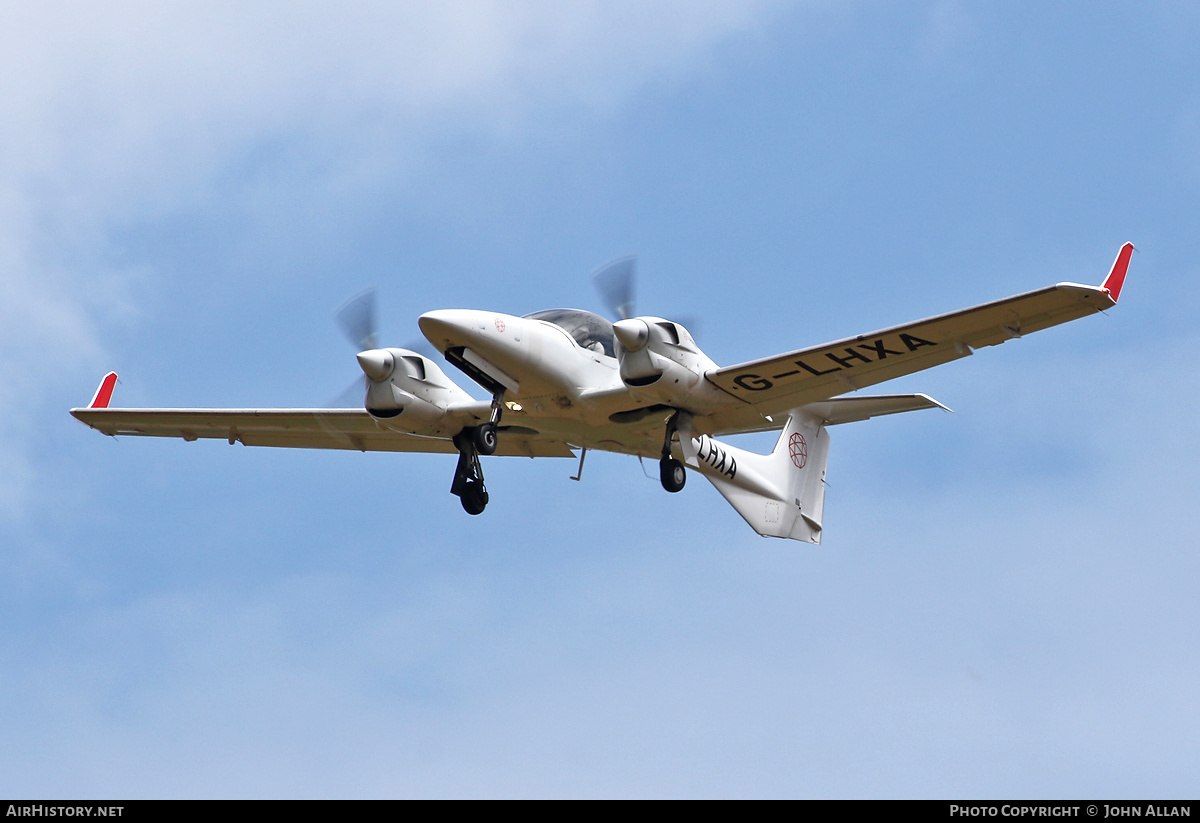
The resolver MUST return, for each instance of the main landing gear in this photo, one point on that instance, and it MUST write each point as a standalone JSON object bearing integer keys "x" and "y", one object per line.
{"x": 670, "y": 471}
{"x": 472, "y": 442}
{"x": 468, "y": 475}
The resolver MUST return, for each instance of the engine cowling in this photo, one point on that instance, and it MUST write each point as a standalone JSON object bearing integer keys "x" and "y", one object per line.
{"x": 407, "y": 391}
{"x": 659, "y": 360}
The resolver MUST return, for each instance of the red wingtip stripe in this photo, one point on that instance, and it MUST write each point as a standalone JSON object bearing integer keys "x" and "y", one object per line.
{"x": 1116, "y": 277}
{"x": 104, "y": 393}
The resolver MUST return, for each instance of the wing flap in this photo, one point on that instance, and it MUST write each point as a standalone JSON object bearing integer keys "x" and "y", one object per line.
{"x": 351, "y": 429}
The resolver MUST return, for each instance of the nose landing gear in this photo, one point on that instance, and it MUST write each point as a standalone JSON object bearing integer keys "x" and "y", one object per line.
{"x": 485, "y": 435}
{"x": 484, "y": 439}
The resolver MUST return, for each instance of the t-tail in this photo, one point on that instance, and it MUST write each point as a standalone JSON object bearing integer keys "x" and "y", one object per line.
{"x": 781, "y": 494}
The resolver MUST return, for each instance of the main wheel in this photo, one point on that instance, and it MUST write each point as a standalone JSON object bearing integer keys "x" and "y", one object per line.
{"x": 485, "y": 438}
{"x": 672, "y": 474}
{"x": 474, "y": 499}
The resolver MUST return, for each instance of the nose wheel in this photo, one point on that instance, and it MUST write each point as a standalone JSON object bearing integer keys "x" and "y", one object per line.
{"x": 484, "y": 436}
{"x": 671, "y": 472}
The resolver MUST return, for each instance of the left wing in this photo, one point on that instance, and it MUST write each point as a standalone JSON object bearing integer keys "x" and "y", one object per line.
{"x": 775, "y": 384}
{"x": 290, "y": 428}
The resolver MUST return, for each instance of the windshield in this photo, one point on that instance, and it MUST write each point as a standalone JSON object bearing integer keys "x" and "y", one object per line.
{"x": 591, "y": 331}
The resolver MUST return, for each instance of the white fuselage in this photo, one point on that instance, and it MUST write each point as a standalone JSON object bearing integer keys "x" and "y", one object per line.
{"x": 554, "y": 384}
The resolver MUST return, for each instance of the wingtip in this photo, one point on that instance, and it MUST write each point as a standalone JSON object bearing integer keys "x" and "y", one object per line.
{"x": 1116, "y": 277}
{"x": 104, "y": 394}
{"x": 936, "y": 404}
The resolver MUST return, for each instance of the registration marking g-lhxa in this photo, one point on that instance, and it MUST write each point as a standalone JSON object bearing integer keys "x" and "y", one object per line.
{"x": 846, "y": 357}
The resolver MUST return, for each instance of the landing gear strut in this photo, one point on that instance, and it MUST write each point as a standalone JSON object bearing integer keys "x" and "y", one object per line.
{"x": 468, "y": 475}
{"x": 472, "y": 442}
{"x": 484, "y": 436}
{"x": 670, "y": 471}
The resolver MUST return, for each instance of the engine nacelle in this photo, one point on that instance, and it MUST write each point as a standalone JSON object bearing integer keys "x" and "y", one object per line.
{"x": 408, "y": 391}
{"x": 659, "y": 360}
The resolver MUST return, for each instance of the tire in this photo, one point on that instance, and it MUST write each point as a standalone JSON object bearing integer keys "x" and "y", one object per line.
{"x": 474, "y": 499}
{"x": 485, "y": 438}
{"x": 673, "y": 474}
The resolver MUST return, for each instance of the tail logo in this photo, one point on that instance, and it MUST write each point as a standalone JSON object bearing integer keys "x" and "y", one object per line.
{"x": 798, "y": 449}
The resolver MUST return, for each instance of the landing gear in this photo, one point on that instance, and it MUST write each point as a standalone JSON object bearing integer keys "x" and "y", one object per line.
{"x": 485, "y": 435}
{"x": 485, "y": 438}
{"x": 672, "y": 474}
{"x": 670, "y": 471}
{"x": 472, "y": 442}
{"x": 474, "y": 497}
{"x": 468, "y": 475}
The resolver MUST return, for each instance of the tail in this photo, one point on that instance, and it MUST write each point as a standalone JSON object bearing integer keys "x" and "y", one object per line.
{"x": 781, "y": 494}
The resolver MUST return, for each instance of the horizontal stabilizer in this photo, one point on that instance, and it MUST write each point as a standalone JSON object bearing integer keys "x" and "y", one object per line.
{"x": 837, "y": 410}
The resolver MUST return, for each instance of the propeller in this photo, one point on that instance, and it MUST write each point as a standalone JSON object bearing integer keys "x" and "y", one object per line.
{"x": 350, "y": 397}
{"x": 358, "y": 320}
{"x": 357, "y": 317}
{"x": 616, "y": 281}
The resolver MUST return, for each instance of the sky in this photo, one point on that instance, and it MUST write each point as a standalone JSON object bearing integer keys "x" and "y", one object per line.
{"x": 1004, "y": 604}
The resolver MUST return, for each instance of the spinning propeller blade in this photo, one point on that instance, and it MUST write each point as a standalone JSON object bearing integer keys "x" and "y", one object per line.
{"x": 357, "y": 317}
{"x": 615, "y": 282}
{"x": 350, "y": 397}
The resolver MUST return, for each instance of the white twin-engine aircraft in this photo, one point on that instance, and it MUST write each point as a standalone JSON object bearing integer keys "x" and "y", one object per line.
{"x": 567, "y": 379}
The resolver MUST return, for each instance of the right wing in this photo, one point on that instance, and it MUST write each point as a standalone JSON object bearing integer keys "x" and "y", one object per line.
{"x": 293, "y": 428}
{"x": 775, "y": 384}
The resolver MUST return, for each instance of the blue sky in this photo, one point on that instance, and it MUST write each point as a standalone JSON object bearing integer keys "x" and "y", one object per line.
{"x": 1004, "y": 604}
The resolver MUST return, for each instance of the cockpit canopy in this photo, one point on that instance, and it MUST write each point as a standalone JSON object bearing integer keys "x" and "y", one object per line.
{"x": 590, "y": 331}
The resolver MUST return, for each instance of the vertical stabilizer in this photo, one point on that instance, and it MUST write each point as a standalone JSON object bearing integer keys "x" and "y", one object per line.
{"x": 781, "y": 494}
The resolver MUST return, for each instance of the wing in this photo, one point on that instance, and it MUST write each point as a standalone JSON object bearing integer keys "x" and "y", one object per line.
{"x": 294, "y": 428}
{"x": 775, "y": 384}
